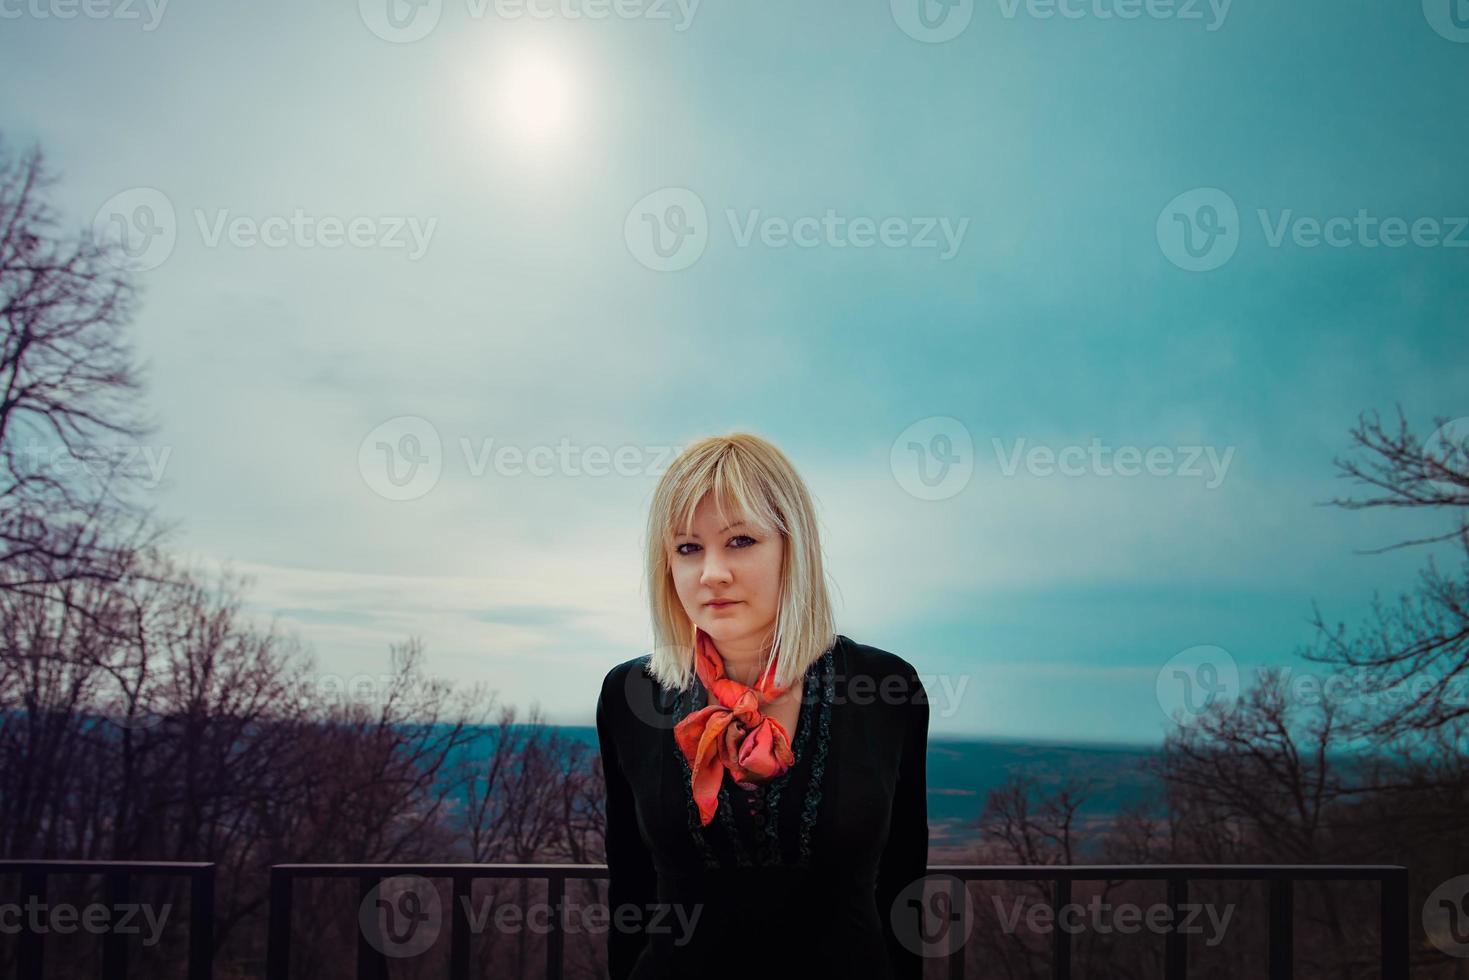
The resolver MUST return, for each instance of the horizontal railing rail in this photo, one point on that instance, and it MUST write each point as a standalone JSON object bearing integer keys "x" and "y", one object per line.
{"x": 34, "y": 875}
{"x": 371, "y": 963}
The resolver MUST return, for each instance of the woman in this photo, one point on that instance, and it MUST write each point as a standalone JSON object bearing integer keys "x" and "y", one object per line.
{"x": 766, "y": 790}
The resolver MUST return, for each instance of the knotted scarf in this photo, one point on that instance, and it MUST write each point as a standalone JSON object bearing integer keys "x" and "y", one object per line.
{"x": 730, "y": 732}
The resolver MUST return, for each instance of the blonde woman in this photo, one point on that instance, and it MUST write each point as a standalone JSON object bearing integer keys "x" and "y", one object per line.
{"x": 766, "y": 789}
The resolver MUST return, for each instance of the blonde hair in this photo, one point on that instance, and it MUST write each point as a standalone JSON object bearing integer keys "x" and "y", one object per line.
{"x": 751, "y": 478}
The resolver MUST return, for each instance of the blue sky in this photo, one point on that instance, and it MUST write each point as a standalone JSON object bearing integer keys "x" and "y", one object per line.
{"x": 1074, "y": 160}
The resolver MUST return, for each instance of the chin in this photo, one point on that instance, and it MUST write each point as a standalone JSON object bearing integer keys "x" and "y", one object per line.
{"x": 725, "y": 627}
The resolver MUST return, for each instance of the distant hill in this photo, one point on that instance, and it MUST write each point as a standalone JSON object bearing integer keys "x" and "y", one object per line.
{"x": 962, "y": 772}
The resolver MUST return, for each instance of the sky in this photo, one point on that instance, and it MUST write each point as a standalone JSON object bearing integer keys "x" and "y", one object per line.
{"x": 408, "y": 269}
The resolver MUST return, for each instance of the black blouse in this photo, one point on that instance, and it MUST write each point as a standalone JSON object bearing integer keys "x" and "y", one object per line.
{"x": 799, "y": 878}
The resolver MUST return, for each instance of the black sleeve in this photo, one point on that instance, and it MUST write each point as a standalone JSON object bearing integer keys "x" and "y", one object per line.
{"x": 905, "y": 857}
{"x": 630, "y": 875}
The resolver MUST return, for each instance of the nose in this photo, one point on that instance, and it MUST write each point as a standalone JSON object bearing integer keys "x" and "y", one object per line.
{"x": 715, "y": 571}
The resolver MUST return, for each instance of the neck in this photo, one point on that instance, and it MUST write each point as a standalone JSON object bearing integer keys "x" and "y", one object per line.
{"x": 742, "y": 659}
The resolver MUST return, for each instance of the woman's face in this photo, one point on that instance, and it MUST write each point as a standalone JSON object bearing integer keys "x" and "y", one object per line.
{"x": 730, "y": 560}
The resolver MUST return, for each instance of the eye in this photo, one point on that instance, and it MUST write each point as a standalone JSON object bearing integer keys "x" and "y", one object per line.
{"x": 679, "y": 549}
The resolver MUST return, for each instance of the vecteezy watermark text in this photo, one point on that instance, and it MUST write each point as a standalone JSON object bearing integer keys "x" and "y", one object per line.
{"x": 1121, "y": 917}
{"x": 303, "y": 230}
{"x": 669, "y": 230}
{"x": 937, "y": 21}
{"x": 1213, "y": 12}
{"x": 403, "y": 458}
{"x": 405, "y": 21}
{"x": 934, "y": 459}
{"x": 1200, "y": 230}
{"x": 146, "y": 462}
{"x": 1096, "y": 459}
{"x": 89, "y": 9}
{"x": 97, "y": 918}
{"x": 403, "y": 916}
{"x": 140, "y": 228}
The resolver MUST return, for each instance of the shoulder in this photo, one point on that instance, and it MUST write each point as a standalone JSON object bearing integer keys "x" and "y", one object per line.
{"x": 890, "y": 678}
{"x": 619, "y": 673}
{"x": 620, "y": 680}
{"x": 863, "y": 658}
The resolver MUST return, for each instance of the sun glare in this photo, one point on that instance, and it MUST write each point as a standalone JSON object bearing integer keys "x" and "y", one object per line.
{"x": 537, "y": 97}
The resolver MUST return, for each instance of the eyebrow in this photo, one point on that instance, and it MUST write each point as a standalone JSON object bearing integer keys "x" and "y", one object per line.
{"x": 683, "y": 534}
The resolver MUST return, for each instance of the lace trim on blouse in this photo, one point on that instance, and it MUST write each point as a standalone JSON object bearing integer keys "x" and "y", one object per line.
{"x": 763, "y": 803}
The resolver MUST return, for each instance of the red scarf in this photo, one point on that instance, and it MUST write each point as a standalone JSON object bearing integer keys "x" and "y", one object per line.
{"x": 730, "y": 732}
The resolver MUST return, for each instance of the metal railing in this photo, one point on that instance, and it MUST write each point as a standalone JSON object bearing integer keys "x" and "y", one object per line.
{"x": 1392, "y": 905}
{"x": 371, "y": 964}
{"x": 119, "y": 874}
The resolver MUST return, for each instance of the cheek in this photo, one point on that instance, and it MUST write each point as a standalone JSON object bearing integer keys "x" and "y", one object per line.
{"x": 685, "y": 577}
{"x": 766, "y": 574}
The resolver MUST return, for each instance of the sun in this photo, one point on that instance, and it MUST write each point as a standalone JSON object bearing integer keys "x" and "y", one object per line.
{"x": 538, "y": 97}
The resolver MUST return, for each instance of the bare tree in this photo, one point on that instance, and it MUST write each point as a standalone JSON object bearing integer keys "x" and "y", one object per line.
{"x": 70, "y": 422}
{"x": 144, "y": 716}
{"x": 1408, "y": 666}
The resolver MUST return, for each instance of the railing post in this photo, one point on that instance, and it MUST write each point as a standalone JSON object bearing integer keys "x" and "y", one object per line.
{"x": 555, "y": 895}
{"x": 1060, "y": 938}
{"x": 114, "y": 943}
{"x": 371, "y": 964}
{"x": 201, "y": 924}
{"x": 957, "y": 899}
{"x": 459, "y": 925}
{"x": 278, "y": 935}
{"x": 1175, "y": 949}
{"x": 32, "y": 944}
{"x": 1394, "y": 936}
{"x": 1282, "y": 928}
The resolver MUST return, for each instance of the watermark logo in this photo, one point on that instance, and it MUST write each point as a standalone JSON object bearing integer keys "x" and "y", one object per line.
{"x": 406, "y": 21}
{"x": 90, "y": 9}
{"x": 834, "y": 230}
{"x": 1199, "y": 229}
{"x": 1446, "y": 917}
{"x": 342, "y": 693}
{"x": 680, "y": 12}
{"x": 144, "y": 464}
{"x": 401, "y": 916}
{"x": 302, "y": 230}
{"x": 401, "y": 21}
{"x": 1097, "y": 459}
{"x": 1126, "y": 918}
{"x": 937, "y": 21}
{"x": 932, "y": 21}
{"x": 933, "y": 459}
{"x": 667, "y": 230}
{"x": 1449, "y": 446}
{"x": 139, "y": 228}
{"x": 1363, "y": 230}
{"x": 643, "y": 694}
{"x": 97, "y": 918}
{"x": 933, "y": 916}
{"x": 1196, "y": 679}
{"x": 1450, "y": 18}
{"x": 402, "y": 458}
{"x": 1216, "y": 11}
